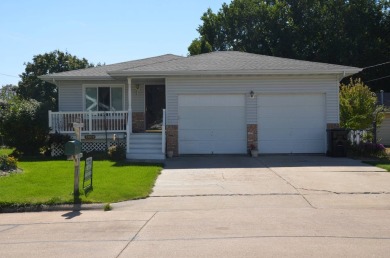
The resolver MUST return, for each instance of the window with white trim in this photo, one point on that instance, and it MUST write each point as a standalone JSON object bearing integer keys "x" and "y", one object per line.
{"x": 103, "y": 98}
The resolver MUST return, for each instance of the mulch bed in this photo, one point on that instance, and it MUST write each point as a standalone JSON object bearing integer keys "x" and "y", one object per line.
{"x": 8, "y": 172}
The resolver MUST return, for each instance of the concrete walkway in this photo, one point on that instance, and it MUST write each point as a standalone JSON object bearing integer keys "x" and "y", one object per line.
{"x": 225, "y": 206}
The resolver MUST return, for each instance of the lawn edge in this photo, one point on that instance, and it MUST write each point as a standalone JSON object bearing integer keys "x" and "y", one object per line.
{"x": 57, "y": 207}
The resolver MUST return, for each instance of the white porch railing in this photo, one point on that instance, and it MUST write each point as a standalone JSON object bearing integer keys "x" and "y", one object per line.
{"x": 163, "y": 133}
{"x": 94, "y": 122}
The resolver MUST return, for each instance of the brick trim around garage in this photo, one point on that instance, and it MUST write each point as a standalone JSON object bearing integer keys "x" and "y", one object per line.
{"x": 251, "y": 130}
{"x": 172, "y": 139}
{"x": 332, "y": 126}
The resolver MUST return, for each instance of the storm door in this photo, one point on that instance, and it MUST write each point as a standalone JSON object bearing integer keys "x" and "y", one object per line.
{"x": 154, "y": 105}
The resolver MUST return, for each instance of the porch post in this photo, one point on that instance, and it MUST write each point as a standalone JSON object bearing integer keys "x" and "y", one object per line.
{"x": 50, "y": 121}
{"x": 130, "y": 116}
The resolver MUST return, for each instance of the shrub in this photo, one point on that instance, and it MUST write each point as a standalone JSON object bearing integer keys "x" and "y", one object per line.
{"x": 8, "y": 163}
{"x": 24, "y": 125}
{"x": 358, "y": 104}
{"x": 117, "y": 153}
{"x": 369, "y": 149}
{"x": 96, "y": 155}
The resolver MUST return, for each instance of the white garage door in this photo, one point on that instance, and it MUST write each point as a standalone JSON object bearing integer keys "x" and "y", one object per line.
{"x": 384, "y": 131}
{"x": 291, "y": 123}
{"x": 212, "y": 124}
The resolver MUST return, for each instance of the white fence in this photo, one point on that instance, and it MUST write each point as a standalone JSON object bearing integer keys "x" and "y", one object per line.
{"x": 94, "y": 122}
{"x": 357, "y": 136}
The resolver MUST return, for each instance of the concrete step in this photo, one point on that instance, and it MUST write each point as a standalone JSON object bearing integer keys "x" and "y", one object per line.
{"x": 153, "y": 146}
{"x": 145, "y": 136}
{"x": 145, "y": 150}
{"x": 145, "y": 146}
{"x": 137, "y": 156}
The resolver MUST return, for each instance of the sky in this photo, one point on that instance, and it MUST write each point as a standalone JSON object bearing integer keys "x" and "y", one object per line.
{"x": 109, "y": 31}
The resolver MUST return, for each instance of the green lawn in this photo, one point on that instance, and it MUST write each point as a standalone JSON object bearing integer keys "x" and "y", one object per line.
{"x": 381, "y": 164}
{"x": 51, "y": 182}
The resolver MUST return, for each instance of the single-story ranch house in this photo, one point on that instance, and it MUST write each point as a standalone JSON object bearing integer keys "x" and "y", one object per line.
{"x": 217, "y": 103}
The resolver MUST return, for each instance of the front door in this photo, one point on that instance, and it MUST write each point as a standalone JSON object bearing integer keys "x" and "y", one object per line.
{"x": 154, "y": 104}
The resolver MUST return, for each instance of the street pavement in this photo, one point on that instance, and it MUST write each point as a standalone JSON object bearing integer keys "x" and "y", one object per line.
{"x": 225, "y": 206}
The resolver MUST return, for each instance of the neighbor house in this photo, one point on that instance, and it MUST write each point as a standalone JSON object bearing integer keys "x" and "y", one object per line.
{"x": 384, "y": 128}
{"x": 217, "y": 103}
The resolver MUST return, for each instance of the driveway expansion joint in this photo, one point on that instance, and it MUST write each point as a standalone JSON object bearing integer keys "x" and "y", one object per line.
{"x": 343, "y": 193}
{"x": 234, "y": 194}
{"x": 135, "y": 236}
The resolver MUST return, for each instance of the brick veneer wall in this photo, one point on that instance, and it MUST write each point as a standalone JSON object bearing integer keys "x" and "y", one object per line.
{"x": 172, "y": 139}
{"x": 332, "y": 126}
{"x": 251, "y": 135}
{"x": 138, "y": 122}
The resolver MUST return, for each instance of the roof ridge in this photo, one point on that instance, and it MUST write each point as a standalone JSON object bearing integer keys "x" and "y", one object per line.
{"x": 163, "y": 61}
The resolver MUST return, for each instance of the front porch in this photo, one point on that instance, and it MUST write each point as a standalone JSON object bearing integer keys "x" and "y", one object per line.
{"x": 99, "y": 130}
{"x": 141, "y": 128}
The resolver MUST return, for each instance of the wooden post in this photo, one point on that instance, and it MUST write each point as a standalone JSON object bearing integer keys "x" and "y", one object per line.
{"x": 76, "y": 158}
{"x": 129, "y": 126}
{"x": 50, "y": 121}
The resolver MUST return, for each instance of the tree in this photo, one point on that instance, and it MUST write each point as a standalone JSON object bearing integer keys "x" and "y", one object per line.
{"x": 358, "y": 106}
{"x": 24, "y": 125}
{"x": 346, "y": 32}
{"x": 8, "y": 91}
{"x": 31, "y": 87}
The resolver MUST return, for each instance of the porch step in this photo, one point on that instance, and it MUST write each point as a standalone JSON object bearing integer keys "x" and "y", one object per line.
{"x": 145, "y": 146}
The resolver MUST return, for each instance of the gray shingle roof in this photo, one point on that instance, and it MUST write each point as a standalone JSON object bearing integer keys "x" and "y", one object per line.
{"x": 101, "y": 71}
{"x": 234, "y": 61}
{"x": 221, "y": 62}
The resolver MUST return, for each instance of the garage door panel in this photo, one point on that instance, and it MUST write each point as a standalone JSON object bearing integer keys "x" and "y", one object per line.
{"x": 273, "y": 146}
{"x": 288, "y": 100}
{"x": 212, "y": 124}
{"x": 300, "y": 134}
{"x": 275, "y": 134}
{"x": 273, "y": 122}
{"x": 230, "y": 147}
{"x": 192, "y": 135}
{"x": 211, "y": 100}
{"x": 198, "y": 147}
{"x": 291, "y": 123}
{"x": 306, "y": 146}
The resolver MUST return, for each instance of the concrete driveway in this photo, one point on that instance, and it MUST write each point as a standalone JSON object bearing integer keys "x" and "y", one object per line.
{"x": 225, "y": 206}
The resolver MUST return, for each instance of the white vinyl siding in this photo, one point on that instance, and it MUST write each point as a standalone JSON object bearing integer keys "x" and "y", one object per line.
{"x": 384, "y": 131}
{"x": 323, "y": 84}
{"x": 138, "y": 97}
{"x": 212, "y": 124}
{"x": 70, "y": 97}
{"x": 291, "y": 123}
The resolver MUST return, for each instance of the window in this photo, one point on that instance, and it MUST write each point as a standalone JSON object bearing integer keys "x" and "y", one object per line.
{"x": 103, "y": 98}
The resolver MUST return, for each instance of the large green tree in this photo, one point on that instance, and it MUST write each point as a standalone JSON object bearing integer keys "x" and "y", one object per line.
{"x": 347, "y": 32}
{"x": 31, "y": 87}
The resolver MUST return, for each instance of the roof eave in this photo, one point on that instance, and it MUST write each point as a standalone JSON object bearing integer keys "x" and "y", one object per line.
{"x": 52, "y": 79}
{"x": 343, "y": 72}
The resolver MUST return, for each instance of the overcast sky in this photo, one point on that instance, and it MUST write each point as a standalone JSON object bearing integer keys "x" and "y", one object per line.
{"x": 108, "y": 32}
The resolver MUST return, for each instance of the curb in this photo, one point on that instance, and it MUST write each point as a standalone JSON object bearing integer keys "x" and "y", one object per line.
{"x": 61, "y": 207}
